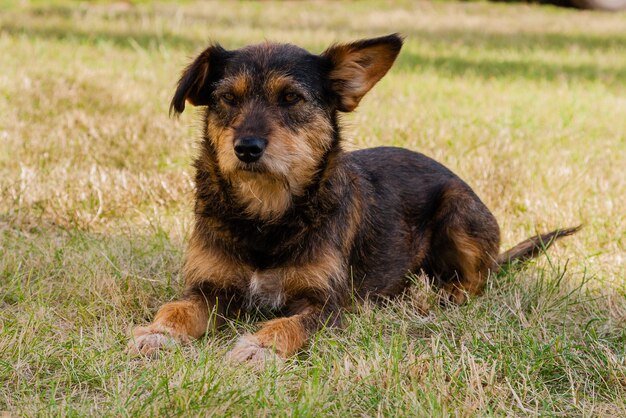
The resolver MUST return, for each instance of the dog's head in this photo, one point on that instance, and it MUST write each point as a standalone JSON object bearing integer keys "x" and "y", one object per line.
{"x": 272, "y": 108}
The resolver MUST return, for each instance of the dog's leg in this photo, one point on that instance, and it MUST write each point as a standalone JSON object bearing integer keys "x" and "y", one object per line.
{"x": 203, "y": 306}
{"x": 470, "y": 269}
{"x": 180, "y": 321}
{"x": 465, "y": 244}
{"x": 282, "y": 337}
{"x": 465, "y": 263}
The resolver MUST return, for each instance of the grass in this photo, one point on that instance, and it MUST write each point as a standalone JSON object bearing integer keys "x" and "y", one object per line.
{"x": 526, "y": 103}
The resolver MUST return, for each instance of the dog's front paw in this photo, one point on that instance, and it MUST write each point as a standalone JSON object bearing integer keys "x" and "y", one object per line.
{"x": 249, "y": 350}
{"x": 148, "y": 341}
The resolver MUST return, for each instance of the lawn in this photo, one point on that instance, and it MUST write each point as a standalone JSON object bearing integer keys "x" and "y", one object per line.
{"x": 526, "y": 103}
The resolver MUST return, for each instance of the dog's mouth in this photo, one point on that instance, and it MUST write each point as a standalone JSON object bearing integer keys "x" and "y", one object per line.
{"x": 255, "y": 167}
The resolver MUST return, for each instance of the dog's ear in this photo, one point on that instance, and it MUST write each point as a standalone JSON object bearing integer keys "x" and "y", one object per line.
{"x": 194, "y": 84}
{"x": 357, "y": 66}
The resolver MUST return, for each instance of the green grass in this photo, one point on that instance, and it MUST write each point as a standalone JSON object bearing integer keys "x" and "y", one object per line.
{"x": 526, "y": 103}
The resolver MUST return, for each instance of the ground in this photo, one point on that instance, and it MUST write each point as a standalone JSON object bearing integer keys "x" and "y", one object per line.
{"x": 527, "y": 103}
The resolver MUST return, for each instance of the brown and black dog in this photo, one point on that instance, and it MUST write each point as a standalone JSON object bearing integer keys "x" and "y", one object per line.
{"x": 285, "y": 219}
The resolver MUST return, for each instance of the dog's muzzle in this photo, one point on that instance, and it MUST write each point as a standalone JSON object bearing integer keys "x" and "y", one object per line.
{"x": 250, "y": 149}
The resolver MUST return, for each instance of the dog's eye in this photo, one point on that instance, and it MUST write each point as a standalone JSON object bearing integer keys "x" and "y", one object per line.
{"x": 228, "y": 98}
{"x": 290, "y": 98}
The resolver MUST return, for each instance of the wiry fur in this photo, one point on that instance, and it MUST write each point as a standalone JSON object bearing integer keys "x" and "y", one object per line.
{"x": 307, "y": 228}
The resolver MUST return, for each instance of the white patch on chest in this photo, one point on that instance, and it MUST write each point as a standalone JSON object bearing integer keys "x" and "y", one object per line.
{"x": 266, "y": 290}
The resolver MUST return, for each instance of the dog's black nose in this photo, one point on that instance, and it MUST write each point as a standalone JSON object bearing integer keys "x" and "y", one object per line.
{"x": 249, "y": 149}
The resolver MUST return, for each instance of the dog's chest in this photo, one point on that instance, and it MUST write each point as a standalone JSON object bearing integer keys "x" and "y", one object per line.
{"x": 268, "y": 247}
{"x": 266, "y": 289}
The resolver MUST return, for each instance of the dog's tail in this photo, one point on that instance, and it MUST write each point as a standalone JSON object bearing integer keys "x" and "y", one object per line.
{"x": 533, "y": 246}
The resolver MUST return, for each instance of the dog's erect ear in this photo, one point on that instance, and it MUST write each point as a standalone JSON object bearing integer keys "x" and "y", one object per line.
{"x": 194, "y": 84}
{"x": 356, "y": 67}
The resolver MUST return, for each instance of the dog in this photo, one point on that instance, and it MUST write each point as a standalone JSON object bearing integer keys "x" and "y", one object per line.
{"x": 287, "y": 221}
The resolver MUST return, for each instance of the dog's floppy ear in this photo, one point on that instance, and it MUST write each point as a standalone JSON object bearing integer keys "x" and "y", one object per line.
{"x": 357, "y": 66}
{"x": 194, "y": 84}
